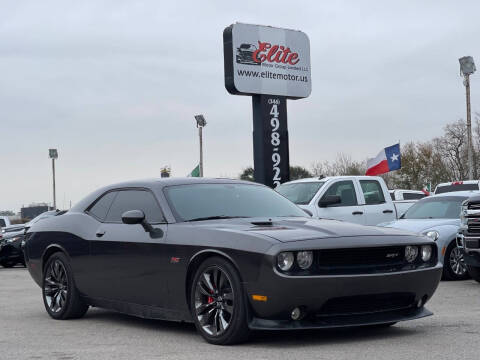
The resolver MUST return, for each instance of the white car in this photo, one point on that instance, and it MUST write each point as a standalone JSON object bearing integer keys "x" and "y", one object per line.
{"x": 357, "y": 199}
{"x": 401, "y": 194}
{"x": 467, "y": 185}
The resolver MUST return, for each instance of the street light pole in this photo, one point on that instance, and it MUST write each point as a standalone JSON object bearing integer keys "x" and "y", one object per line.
{"x": 467, "y": 68}
{"x": 201, "y": 122}
{"x": 53, "y": 154}
{"x": 54, "y": 191}
{"x": 469, "y": 128}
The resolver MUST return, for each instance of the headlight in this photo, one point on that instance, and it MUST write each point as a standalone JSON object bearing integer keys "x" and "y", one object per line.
{"x": 13, "y": 239}
{"x": 285, "y": 261}
{"x": 432, "y": 234}
{"x": 304, "y": 259}
{"x": 411, "y": 253}
{"x": 463, "y": 215}
{"x": 426, "y": 252}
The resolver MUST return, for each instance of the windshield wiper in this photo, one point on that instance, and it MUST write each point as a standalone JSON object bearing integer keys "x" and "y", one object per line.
{"x": 216, "y": 217}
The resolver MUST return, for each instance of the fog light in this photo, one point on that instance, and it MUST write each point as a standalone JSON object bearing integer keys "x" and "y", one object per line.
{"x": 426, "y": 252}
{"x": 419, "y": 303}
{"x": 411, "y": 253}
{"x": 296, "y": 314}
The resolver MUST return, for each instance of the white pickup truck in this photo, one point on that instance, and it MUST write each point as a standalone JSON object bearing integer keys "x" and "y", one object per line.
{"x": 358, "y": 199}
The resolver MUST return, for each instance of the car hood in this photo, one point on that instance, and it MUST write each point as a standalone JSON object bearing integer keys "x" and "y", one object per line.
{"x": 420, "y": 225}
{"x": 297, "y": 229}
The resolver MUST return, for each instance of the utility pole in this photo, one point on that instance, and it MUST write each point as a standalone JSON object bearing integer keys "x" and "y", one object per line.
{"x": 201, "y": 122}
{"x": 53, "y": 154}
{"x": 467, "y": 68}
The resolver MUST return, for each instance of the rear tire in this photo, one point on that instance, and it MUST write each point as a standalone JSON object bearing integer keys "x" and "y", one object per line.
{"x": 60, "y": 295}
{"x": 218, "y": 303}
{"x": 8, "y": 263}
{"x": 454, "y": 267}
{"x": 474, "y": 272}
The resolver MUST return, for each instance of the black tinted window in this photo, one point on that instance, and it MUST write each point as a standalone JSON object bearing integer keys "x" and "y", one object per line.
{"x": 372, "y": 191}
{"x": 412, "y": 196}
{"x": 456, "y": 187}
{"x": 2, "y": 223}
{"x": 345, "y": 190}
{"x": 135, "y": 200}
{"x": 100, "y": 208}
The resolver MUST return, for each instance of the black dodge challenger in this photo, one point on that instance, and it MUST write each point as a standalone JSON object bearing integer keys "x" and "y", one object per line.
{"x": 229, "y": 255}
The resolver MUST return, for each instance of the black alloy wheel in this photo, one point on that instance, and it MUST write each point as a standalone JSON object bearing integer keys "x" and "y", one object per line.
{"x": 60, "y": 296}
{"x": 217, "y": 303}
{"x": 454, "y": 264}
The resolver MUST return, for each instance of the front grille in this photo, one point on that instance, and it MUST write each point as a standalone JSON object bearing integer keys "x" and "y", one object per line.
{"x": 474, "y": 206}
{"x": 473, "y": 225}
{"x": 362, "y": 304}
{"x": 366, "y": 260}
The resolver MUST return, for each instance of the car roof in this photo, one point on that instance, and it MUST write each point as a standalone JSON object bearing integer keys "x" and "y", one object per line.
{"x": 458, "y": 182}
{"x": 326, "y": 178}
{"x": 156, "y": 183}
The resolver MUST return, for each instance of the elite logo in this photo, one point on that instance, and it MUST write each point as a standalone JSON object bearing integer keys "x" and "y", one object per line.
{"x": 250, "y": 54}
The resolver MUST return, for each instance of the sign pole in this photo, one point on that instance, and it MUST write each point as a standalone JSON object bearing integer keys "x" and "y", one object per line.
{"x": 270, "y": 140}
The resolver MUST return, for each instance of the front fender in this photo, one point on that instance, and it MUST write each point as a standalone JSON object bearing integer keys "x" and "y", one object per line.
{"x": 447, "y": 234}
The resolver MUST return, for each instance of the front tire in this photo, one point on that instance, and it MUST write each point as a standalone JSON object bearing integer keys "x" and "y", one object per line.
{"x": 454, "y": 267}
{"x": 474, "y": 272}
{"x": 218, "y": 304}
{"x": 60, "y": 296}
{"x": 8, "y": 263}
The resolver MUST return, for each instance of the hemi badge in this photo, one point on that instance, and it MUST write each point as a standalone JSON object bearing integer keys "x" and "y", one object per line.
{"x": 259, "y": 298}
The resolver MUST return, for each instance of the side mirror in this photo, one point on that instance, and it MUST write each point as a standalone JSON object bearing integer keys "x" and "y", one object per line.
{"x": 133, "y": 217}
{"x": 329, "y": 200}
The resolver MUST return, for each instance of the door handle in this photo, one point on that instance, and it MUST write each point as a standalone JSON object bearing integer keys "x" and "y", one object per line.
{"x": 100, "y": 233}
{"x": 388, "y": 211}
{"x": 357, "y": 213}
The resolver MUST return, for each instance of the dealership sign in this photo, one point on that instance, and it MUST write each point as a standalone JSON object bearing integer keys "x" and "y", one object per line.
{"x": 272, "y": 65}
{"x": 266, "y": 60}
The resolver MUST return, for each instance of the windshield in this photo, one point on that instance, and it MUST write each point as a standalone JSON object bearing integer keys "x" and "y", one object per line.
{"x": 456, "y": 187}
{"x": 200, "y": 201}
{"x": 300, "y": 193}
{"x": 436, "y": 208}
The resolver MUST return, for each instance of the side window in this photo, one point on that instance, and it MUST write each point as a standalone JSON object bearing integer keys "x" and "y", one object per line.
{"x": 413, "y": 196}
{"x": 101, "y": 206}
{"x": 392, "y": 195}
{"x": 345, "y": 190}
{"x": 2, "y": 223}
{"x": 135, "y": 200}
{"x": 372, "y": 191}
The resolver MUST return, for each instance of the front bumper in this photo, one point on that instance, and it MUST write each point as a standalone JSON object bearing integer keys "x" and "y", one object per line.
{"x": 330, "y": 301}
{"x": 470, "y": 247}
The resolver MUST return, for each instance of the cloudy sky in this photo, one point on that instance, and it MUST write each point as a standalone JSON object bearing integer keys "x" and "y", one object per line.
{"x": 114, "y": 86}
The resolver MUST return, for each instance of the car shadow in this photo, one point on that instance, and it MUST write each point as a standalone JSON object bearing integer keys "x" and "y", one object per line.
{"x": 275, "y": 339}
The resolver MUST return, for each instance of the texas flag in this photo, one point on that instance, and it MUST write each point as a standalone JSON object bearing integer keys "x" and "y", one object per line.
{"x": 387, "y": 160}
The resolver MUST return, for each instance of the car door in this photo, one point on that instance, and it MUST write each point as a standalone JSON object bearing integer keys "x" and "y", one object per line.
{"x": 377, "y": 209}
{"x": 127, "y": 263}
{"x": 348, "y": 209}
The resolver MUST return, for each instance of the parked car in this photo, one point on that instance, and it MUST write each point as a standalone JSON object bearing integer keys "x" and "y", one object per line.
{"x": 438, "y": 217}
{"x": 228, "y": 255}
{"x": 4, "y": 221}
{"x": 457, "y": 186}
{"x": 358, "y": 199}
{"x": 468, "y": 239}
{"x": 11, "y": 252}
{"x": 42, "y": 216}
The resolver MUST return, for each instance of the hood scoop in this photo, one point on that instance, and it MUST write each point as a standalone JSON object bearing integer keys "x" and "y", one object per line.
{"x": 262, "y": 223}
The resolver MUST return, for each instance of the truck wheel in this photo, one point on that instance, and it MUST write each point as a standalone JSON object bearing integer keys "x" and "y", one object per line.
{"x": 454, "y": 267}
{"x": 474, "y": 272}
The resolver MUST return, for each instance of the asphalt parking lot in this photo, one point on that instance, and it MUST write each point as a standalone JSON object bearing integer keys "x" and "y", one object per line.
{"x": 26, "y": 332}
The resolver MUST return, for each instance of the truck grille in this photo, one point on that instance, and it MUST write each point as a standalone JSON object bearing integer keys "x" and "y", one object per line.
{"x": 366, "y": 260}
{"x": 473, "y": 217}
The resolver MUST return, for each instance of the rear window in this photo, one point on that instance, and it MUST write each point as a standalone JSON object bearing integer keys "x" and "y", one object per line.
{"x": 413, "y": 196}
{"x": 2, "y": 223}
{"x": 458, "y": 187}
